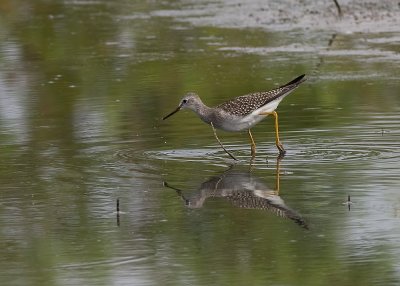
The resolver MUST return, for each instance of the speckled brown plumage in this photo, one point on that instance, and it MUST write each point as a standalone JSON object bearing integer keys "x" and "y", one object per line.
{"x": 245, "y": 104}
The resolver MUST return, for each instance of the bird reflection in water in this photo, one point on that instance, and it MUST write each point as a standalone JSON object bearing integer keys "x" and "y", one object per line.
{"x": 243, "y": 190}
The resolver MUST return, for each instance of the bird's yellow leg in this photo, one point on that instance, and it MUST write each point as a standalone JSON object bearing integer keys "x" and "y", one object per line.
{"x": 220, "y": 143}
{"x": 277, "y": 141}
{"x": 253, "y": 145}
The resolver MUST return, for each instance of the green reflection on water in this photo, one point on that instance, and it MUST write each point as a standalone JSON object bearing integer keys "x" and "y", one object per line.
{"x": 83, "y": 88}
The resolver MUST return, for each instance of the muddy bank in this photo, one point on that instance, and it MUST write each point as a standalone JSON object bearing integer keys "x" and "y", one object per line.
{"x": 357, "y": 15}
{"x": 366, "y": 33}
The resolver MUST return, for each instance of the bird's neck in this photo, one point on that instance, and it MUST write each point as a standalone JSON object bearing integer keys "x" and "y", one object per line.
{"x": 203, "y": 111}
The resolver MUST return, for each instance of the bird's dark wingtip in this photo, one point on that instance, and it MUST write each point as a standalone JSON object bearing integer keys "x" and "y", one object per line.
{"x": 296, "y": 81}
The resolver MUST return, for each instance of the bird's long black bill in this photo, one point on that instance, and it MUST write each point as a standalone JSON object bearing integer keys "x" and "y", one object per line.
{"x": 172, "y": 113}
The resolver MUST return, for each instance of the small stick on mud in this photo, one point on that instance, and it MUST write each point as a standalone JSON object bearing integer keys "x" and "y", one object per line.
{"x": 338, "y": 8}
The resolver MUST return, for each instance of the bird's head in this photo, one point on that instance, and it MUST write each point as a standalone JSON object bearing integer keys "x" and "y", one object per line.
{"x": 190, "y": 100}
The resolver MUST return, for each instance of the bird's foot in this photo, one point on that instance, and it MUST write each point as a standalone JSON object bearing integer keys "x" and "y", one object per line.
{"x": 282, "y": 150}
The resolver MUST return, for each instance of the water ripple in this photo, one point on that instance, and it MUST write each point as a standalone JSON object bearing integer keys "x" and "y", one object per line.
{"x": 311, "y": 146}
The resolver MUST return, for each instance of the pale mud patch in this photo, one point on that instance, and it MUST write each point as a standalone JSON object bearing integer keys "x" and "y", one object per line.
{"x": 357, "y": 15}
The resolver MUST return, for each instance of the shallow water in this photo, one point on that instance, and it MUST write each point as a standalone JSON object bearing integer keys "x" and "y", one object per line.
{"x": 83, "y": 88}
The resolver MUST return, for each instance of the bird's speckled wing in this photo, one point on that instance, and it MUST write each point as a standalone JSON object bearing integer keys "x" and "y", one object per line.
{"x": 245, "y": 104}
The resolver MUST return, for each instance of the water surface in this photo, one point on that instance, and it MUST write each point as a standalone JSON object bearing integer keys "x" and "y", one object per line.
{"x": 83, "y": 88}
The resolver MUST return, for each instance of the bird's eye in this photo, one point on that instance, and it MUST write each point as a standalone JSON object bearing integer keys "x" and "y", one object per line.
{"x": 184, "y": 101}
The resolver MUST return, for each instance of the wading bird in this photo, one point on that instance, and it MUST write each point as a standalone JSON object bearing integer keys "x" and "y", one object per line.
{"x": 241, "y": 113}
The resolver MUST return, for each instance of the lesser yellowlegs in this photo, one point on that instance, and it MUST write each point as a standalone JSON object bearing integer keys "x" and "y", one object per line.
{"x": 241, "y": 113}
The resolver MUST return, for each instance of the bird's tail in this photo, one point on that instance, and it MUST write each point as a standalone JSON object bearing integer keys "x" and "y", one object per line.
{"x": 298, "y": 80}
